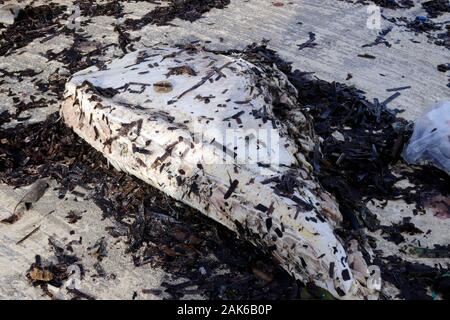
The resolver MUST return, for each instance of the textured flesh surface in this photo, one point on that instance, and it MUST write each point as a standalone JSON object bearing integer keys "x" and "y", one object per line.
{"x": 153, "y": 125}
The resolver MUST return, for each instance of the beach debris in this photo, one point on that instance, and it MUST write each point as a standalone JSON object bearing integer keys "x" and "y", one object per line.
{"x": 29, "y": 234}
{"x": 33, "y": 195}
{"x": 176, "y": 144}
{"x": 398, "y": 88}
{"x": 366, "y": 56}
{"x": 380, "y": 39}
{"x": 162, "y": 86}
{"x": 189, "y": 10}
{"x": 430, "y": 142}
{"x": 99, "y": 249}
{"x": 310, "y": 43}
{"x": 444, "y": 67}
{"x": 394, "y": 4}
{"x": 435, "y": 8}
{"x": 53, "y": 275}
{"x": 29, "y": 25}
{"x": 73, "y": 216}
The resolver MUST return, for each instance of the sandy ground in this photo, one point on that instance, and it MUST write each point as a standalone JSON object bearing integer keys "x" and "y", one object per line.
{"x": 122, "y": 277}
{"x": 340, "y": 30}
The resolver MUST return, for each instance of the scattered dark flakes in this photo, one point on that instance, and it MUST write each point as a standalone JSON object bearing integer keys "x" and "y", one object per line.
{"x": 436, "y": 8}
{"x": 156, "y": 292}
{"x": 310, "y": 43}
{"x": 106, "y": 92}
{"x": 278, "y": 232}
{"x": 189, "y": 10}
{"x": 391, "y": 4}
{"x": 413, "y": 279}
{"x": 345, "y": 274}
{"x": 437, "y": 252}
{"x": 231, "y": 189}
{"x": 55, "y": 271}
{"x": 73, "y": 216}
{"x": 99, "y": 249}
{"x": 125, "y": 41}
{"x": 181, "y": 70}
{"x": 100, "y": 270}
{"x": 90, "y": 8}
{"x": 380, "y": 39}
{"x": 5, "y": 117}
{"x": 394, "y": 232}
{"x": 398, "y": 88}
{"x": 444, "y": 67}
{"x": 288, "y": 183}
{"x": 30, "y": 24}
{"x": 33, "y": 104}
{"x": 394, "y": 4}
{"x": 366, "y": 55}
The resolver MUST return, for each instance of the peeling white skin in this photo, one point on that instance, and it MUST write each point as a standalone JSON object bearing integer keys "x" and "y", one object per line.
{"x": 162, "y": 147}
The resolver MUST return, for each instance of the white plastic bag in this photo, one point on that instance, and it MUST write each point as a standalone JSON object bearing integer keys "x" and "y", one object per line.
{"x": 430, "y": 142}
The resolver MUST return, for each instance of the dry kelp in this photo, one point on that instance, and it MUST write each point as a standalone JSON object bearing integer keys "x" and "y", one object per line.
{"x": 55, "y": 272}
{"x": 435, "y": 8}
{"x": 33, "y": 195}
{"x": 391, "y": 4}
{"x": 91, "y": 9}
{"x": 30, "y": 24}
{"x": 189, "y": 10}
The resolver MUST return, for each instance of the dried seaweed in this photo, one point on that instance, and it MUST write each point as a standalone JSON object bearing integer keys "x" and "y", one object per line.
{"x": 366, "y": 164}
{"x": 91, "y": 9}
{"x": 435, "y": 8}
{"x": 189, "y": 10}
{"x": 48, "y": 272}
{"x": 391, "y": 4}
{"x": 32, "y": 22}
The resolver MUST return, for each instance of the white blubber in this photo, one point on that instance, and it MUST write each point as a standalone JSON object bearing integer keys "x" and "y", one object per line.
{"x": 201, "y": 127}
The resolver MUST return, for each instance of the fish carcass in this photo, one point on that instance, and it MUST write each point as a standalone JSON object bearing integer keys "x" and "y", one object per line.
{"x": 202, "y": 127}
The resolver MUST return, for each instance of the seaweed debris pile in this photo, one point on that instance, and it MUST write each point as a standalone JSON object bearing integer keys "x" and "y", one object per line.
{"x": 359, "y": 161}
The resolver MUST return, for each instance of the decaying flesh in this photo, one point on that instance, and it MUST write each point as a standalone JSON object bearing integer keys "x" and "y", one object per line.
{"x": 176, "y": 141}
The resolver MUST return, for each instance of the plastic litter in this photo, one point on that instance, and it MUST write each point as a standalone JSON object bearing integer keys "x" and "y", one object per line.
{"x": 430, "y": 142}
